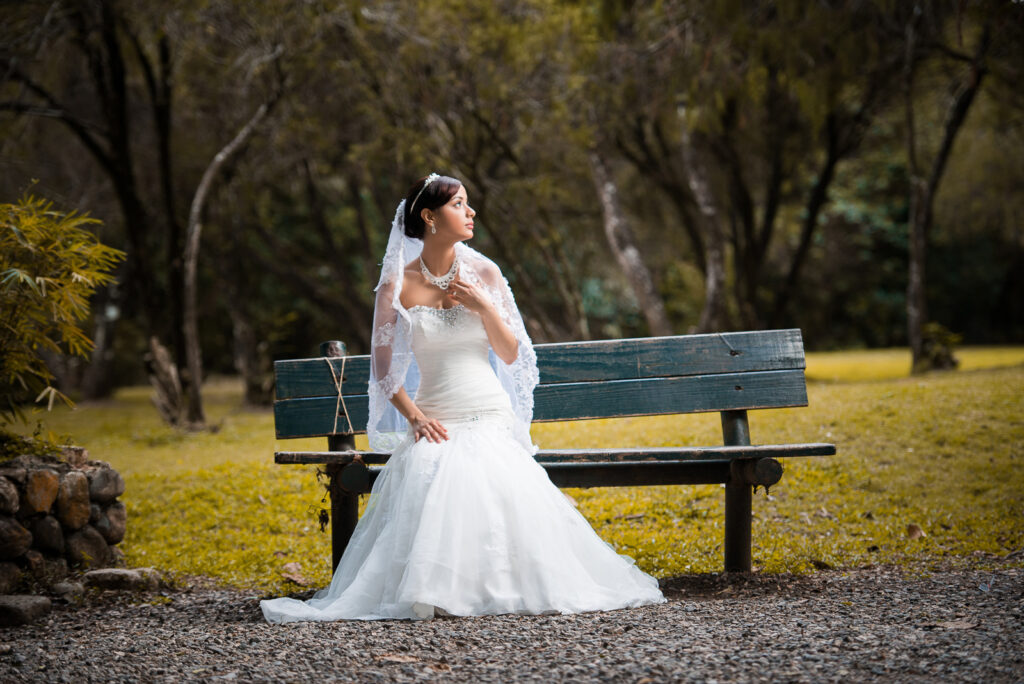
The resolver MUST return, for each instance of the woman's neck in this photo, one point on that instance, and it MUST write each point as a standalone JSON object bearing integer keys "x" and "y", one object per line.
{"x": 438, "y": 258}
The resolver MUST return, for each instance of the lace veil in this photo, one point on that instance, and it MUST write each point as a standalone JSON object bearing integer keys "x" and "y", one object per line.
{"x": 393, "y": 365}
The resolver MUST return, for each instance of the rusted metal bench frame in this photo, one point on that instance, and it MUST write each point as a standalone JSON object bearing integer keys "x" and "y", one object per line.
{"x": 730, "y": 373}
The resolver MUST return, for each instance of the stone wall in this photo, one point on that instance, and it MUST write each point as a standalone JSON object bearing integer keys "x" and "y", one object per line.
{"x": 58, "y": 514}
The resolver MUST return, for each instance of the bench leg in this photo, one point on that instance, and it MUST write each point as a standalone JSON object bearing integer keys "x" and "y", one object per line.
{"x": 737, "y": 527}
{"x": 738, "y": 496}
{"x": 344, "y": 515}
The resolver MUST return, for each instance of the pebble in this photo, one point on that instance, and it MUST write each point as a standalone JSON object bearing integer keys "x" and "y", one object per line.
{"x": 875, "y": 624}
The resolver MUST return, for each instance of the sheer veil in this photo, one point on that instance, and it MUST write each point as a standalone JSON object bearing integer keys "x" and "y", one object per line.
{"x": 393, "y": 365}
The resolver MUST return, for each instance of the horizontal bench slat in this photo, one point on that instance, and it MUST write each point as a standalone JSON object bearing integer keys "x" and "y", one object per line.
{"x": 584, "y": 400}
{"x": 628, "y": 474}
{"x": 555, "y": 456}
{"x": 629, "y": 359}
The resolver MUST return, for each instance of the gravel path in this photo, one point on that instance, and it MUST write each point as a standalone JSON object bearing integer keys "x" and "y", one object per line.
{"x": 874, "y": 624}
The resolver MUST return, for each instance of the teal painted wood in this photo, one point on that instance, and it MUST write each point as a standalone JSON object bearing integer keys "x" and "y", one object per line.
{"x": 579, "y": 401}
{"x": 683, "y": 355}
{"x": 314, "y": 416}
{"x": 656, "y": 396}
{"x": 550, "y": 456}
{"x": 680, "y": 355}
{"x": 312, "y": 377}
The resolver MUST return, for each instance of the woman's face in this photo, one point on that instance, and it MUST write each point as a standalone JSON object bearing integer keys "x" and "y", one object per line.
{"x": 454, "y": 220}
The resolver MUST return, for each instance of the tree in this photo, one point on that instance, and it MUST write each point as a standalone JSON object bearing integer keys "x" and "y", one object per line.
{"x": 50, "y": 264}
{"x": 924, "y": 185}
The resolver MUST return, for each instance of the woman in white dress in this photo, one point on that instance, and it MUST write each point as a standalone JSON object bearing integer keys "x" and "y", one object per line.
{"x": 461, "y": 520}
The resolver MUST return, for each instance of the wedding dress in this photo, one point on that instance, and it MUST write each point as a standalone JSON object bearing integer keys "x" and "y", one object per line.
{"x": 471, "y": 525}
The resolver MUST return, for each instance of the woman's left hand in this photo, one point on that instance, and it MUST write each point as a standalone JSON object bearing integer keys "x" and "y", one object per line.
{"x": 469, "y": 295}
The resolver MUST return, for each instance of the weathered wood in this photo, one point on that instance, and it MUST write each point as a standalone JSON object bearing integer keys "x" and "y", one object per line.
{"x": 760, "y": 472}
{"x": 627, "y": 474}
{"x": 736, "y": 432}
{"x": 715, "y": 453}
{"x": 584, "y": 400}
{"x": 344, "y": 501}
{"x": 629, "y": 359}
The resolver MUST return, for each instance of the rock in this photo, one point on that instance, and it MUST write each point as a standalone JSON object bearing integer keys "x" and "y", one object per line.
{"x": 113, "y": 522}
{"x": 19, "y": 609}
{"x": 105, "y": 485}
{"x": 73, "y": 500}
{"x": 34, "y": 562}
{"x": 15, "y": 475}
{"x": 41, "y": 489}
{"x": 117, "y": 557}
{"x": 87, "y": 547}
{"x": 10, "y": 575}
{"x": 47, "y": 534}
{"x": 153, "y": 576}
{"x": 8, "y": 497}
{"x": 14, "y": 539}
{"x": 68, "y": 590}
{"x": 95, "y": 512}
{"x": 121, "y": 579}
{"x": 75, "y": 455}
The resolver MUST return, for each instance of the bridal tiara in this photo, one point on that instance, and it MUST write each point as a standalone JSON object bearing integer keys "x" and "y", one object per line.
{"x": 430, "y": 179}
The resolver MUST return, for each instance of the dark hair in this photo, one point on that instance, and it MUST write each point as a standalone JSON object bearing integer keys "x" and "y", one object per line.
{"x": 432, "y": 197}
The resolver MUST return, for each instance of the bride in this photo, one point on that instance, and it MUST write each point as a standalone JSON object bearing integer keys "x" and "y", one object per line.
{"x": 461, "y": 520}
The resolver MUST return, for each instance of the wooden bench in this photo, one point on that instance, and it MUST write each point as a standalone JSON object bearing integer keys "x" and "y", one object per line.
{"x": 729, "y": 372}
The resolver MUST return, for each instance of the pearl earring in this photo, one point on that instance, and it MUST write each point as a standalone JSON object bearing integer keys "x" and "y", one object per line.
{"x": 433, "y": 230}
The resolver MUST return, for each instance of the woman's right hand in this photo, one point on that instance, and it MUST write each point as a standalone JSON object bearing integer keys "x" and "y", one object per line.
{"x": 429, "y": 428}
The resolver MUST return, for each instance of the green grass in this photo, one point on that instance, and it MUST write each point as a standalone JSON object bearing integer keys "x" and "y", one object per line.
{"x": 942, "y": 451}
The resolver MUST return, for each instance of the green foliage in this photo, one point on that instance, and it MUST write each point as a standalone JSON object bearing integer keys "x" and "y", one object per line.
{"x": 40, "y": 443}
{"x": 938, "y": 343}
{"x": 50, "y": 263}
{"x": 937, "y": 451}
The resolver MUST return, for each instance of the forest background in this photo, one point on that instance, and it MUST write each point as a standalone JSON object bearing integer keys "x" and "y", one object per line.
{"x": 850, "y": 168}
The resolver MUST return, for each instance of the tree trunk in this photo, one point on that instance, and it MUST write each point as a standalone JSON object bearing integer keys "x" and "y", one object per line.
{"x": 196, "y": 416}
{"x": 623, "y": 246}
{"x": 922, "y": 191}
{"x": 712, "y": 316}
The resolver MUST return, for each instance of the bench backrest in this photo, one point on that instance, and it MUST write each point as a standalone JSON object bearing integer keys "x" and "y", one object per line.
{"x": 582, "y": 380}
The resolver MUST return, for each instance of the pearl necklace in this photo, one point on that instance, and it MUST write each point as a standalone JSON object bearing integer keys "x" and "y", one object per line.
{"x": 440, "y": 281}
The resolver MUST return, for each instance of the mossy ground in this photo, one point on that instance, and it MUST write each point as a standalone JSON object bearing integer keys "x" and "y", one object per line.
{"x": 943, "y": 451}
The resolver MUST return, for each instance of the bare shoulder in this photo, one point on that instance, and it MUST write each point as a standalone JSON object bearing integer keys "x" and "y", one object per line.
{"x": 487, "y": 269}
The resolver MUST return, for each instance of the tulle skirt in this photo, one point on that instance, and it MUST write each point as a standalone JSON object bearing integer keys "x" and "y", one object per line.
{"x": 470, "y": 526}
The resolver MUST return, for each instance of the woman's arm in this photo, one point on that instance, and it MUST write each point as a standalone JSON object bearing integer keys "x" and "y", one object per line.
{"x": 421, "y": 425}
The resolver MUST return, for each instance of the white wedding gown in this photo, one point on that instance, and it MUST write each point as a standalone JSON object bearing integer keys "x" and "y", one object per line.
{"x": 471, "y": 525}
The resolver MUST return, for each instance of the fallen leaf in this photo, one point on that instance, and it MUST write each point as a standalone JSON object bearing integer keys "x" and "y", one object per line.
{"x": 915, "y": 531}
{"x": 280, "y": 554}
{"x": 398, "y": 658}
{"x": 293, "y": 571}
{"x": 262, "y": 500}
{"x": 958, "y": 624}
{"x": 440, "y": 667}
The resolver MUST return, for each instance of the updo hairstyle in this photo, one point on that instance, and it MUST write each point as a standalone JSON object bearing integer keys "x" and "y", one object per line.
{"x": 434, "y": 196}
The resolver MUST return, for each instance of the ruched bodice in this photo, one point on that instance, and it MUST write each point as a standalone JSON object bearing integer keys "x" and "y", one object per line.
{"x": 456, "y": 379}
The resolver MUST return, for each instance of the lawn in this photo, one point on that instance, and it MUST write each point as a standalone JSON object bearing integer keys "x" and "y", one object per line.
{"x": 943, "y": 452}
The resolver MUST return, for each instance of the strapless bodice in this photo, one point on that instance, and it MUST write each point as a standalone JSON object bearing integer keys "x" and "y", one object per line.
{"x": 457, "y": 381}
